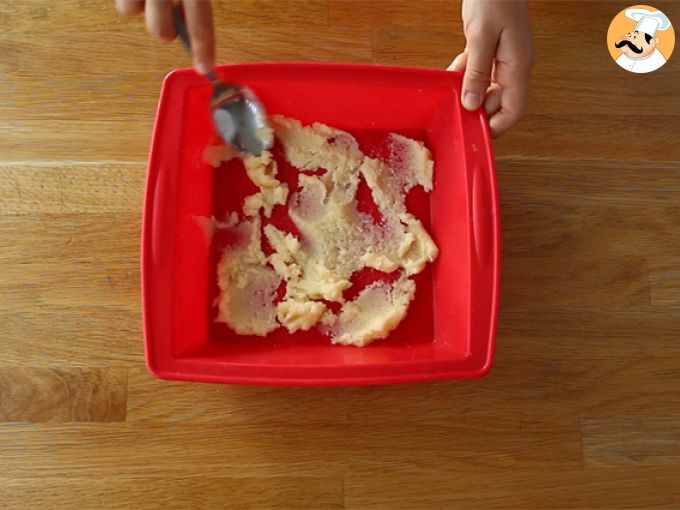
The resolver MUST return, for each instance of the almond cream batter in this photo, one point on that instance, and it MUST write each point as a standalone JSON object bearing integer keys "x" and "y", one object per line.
{"x": 247, "y": 284}
{"x": 337, "y": 239}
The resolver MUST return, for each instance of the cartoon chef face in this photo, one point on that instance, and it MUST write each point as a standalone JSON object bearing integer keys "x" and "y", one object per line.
{"x": 637, "y": 44}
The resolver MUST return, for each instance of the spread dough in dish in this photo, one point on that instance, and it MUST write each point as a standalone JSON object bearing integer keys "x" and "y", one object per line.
{"x": 248, "y": 285}
{"x": 335, "y": 240}
{"x": 262, "y": 171}
{"x": 377, "y": 310}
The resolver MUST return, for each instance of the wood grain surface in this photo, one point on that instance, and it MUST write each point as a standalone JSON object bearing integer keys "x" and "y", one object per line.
{"x": 582, "y": 409}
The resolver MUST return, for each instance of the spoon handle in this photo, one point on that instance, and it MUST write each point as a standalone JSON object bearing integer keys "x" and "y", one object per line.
{"x": 181, "y": 27}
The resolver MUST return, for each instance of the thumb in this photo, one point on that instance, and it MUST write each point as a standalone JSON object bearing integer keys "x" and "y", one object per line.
{"x": 477, "y": 71}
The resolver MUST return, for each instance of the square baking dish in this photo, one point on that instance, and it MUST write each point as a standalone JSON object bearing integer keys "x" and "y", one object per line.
{"x": 449, "y": 332}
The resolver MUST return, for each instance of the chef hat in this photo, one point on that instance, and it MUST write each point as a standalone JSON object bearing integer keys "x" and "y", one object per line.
{"x": 649, "y": 21}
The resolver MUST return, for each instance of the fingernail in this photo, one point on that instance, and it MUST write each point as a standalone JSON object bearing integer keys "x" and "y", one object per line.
{"x": 471, "y": 100}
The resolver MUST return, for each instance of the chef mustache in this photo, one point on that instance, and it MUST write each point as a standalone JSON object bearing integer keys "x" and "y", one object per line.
{"x": 626, "y": 42}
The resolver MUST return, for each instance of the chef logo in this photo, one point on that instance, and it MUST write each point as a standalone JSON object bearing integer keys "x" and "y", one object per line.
{"x": 640, "y": 39}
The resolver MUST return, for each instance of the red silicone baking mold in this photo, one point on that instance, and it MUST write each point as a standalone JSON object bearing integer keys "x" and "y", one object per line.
{"x": 449, "y": 331}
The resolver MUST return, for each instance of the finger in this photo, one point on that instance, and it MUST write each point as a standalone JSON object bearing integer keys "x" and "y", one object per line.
{"x": 514, "y": 101}
{"x": 158, "y": 14}
{"x": 492, "y": 101}
{"x": 458, "y": 63}
{"x": 130, "y": 7}
{"x": 512, "y": 72}
{"x": 481, "y": 50}
{"x": 492, "y": 98}
{"x": 198, "y": 14}
{"x": 512, "y": 110}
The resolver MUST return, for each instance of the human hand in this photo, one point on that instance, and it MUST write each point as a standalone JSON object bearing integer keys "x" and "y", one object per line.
{"x": 159, "y": 22}
{"x": 497, "y": 60}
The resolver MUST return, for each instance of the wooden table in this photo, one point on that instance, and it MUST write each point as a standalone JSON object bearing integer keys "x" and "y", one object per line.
{"x": 582, "y": 407}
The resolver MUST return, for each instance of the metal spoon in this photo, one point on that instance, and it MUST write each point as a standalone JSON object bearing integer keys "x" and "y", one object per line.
{"x": 239, "y": 117}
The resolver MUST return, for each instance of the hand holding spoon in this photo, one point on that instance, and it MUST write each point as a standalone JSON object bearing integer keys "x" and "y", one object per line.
{"x": 239, "y": 117}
